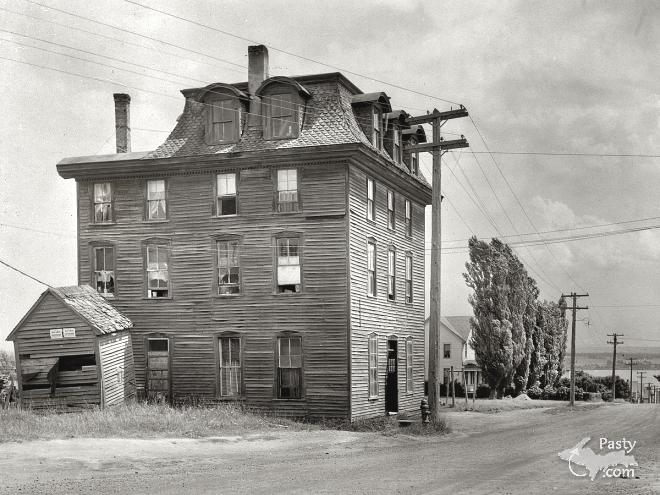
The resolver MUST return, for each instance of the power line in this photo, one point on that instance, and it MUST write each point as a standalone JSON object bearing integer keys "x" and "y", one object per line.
{"x": 543, "y": 153}
{"x": 23, "y": 273}
{"x": 302, "y": 57}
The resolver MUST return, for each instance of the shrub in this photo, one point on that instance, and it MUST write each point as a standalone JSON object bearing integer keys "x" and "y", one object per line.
{"x": 549, "y": 392}
{"x": 564, "y": 393}
{"x": 483, "y": 391}
{"x": 534, "y": 392}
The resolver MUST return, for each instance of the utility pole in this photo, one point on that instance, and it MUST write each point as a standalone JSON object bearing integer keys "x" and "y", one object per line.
{"x": 641, "y": 386}
{"x": 614, "y": 342}
{"x": 574, "y": 308}
{"x": 437, "y": 147}
{"x": 630, "y": 361}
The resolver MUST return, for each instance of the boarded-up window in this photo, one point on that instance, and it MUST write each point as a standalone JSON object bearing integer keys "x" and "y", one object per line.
{"x": 447, "y": 351}
{"x": 391, "y": 274}
{"x": 409, "y": 278}
{"x": 226, "y": 186}
{"x": 228, "y": 267}
{"x": 371, "y": 200}
{"x": 373, "y": 366}
{"x": 230, "y": 366}
{"x": 158, "y": 275}
{"x": 287, "y": 190}
{"x": 104, "y": 270}
{"x": 408, "y": 220}
{"x": 281, "y": 116}
{"x": 390, "y": 210}
{"x": 156, "y": 201}
{"x": 377, "y": 130}
{"x": 371, "y": 268}
{"x": 288, "y": 265}
{"x": 289, "y": 367}
{"x": 222, "y": 121}
{"x": 102, "y": 202}
{"x": 409, "y": 365}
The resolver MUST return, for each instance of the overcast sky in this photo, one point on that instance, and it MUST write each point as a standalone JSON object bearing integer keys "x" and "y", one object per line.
{"x": 570, "y": 77}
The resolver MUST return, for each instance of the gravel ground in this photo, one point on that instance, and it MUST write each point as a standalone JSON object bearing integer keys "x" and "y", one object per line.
{"x": 511, "y": 452}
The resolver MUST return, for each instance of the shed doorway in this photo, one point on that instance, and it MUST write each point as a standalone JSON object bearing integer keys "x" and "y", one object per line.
{"x": 158, "y": 369}
{"x": 392, "y": 379}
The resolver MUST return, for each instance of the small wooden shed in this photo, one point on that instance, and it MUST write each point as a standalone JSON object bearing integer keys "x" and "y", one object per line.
{"x": 73, "y": 349}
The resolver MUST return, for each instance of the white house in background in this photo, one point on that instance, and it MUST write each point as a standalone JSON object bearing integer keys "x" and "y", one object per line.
{"x": 455, "y": 350}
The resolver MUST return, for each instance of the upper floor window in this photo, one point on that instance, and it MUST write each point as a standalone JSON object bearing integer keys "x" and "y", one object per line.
{"x": 102, "y": 202}
{"x": 409, "y": 278}
{"x": 104, "y": 270}
{"x": 287, "y": 190}
{"x": 391, "y": 274}
{"x": 289, "y": 367}
{"x": 397, "y": 145}
{"x": 281, "y": 113}
{"x": 408, "y": 219}
{"x": 158, "y": 270}
{"x": 414, "y": 164}
{"x": 371, "y": 268}
{"x": 226, "y": 200}
{"x": 288, "y": 264}
{"x": 230, "y": 366}
{"x": 156, "y": 200}
{"x": 223, "y": 118}
{"x": 409, "y": 365}
{"x": 373, "y": 366}
{"x": 391, "y": 218}
{"x": 371, "y": 200}
{"x": 377, "y": 135}
{"x": 228, "y": 267}
{"x": 447, "y": 351}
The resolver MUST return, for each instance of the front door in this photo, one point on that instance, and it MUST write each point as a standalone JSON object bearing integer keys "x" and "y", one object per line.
{"x": 391, "y": 384}
{"x": 158, "y": 369}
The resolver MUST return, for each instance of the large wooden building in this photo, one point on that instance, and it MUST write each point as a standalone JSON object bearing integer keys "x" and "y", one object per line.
{"x": 271, "y": 250}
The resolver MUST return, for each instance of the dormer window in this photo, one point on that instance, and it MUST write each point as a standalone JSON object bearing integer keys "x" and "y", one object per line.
{"x": 281, "y": 115}
{"x": 397, "y": 145}
{"x": 223, "y": 118}
{"x": 377, "y": 134}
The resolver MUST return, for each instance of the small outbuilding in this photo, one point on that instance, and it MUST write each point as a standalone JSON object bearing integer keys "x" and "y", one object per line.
{"x": 73, "y": 349}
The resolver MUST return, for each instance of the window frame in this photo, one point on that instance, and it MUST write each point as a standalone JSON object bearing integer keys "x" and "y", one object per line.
{"x": 397, "y": 148}
{"x": 218, "y": 101}
{"x": 110, "y": 203}
{"x": 276, "y": 195}
{"x": 409, "y": 366}
{"x": 218, "y": 198}
{"x": 277, "y": 392}
{"x": 414, "y": 163}
{"x": 372, "y": 274}
{"x": 166, "y": 245}
{"x": 408, "y": 218}
{"x": 373, "y": 386}
{"x": 216, "y": 265}
{"x": 391, "y": 273}
{"x": 446, "y": 351}
{"x": 93, "y": 248}
{"x": 391, "y": 210}
{"x": 409, "y": 278}
{"x": 147, "y": 210}
{"x": 371, "y": 202}
{"x": 268, "y": 107}
{"x": 220, "y": 367}
{"x": 276, "y": 240}
{"x": 377, "y": 128}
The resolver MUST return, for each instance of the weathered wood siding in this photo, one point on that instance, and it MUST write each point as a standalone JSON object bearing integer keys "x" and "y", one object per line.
{"x": 117, "y": 371}
{"x": 194, "y": 317}
{"x": 32, "y": 340}
{"x": 378, "y": 314}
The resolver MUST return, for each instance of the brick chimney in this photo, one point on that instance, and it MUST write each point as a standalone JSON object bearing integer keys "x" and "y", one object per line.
{"x": 123, "y": 122}
{"x": 257, "y": 73}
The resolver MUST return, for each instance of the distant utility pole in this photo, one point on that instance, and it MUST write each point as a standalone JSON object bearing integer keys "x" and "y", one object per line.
{"x": 614, "y": 342}
{"x": 437, "y": 148}
{"x": 630, "y": 361}
{"x": 641, "y": 386}
{"x": 574, "y": 308}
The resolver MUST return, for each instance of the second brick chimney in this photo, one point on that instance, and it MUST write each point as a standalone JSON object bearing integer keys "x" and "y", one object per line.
{"x": 257, "y": 74}
{"x": 123, "y": 122}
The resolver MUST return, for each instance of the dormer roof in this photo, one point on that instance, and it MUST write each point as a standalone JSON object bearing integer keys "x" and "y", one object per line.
{"x": 379, "y": 98}
{"x": 289, "y": 81}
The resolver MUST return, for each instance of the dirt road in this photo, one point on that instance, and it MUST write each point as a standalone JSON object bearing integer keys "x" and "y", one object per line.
{"x": 512, "y": 452}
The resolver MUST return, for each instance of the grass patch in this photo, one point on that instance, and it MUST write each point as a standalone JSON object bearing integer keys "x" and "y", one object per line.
{"x": 491, "y": 406}
{"x": 138, "y": 420}
{"x": 388, "y": 426}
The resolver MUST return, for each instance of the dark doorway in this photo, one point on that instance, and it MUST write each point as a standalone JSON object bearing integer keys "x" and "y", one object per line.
{"x": 391, "y": 383}
{"x": 158, "y": 369}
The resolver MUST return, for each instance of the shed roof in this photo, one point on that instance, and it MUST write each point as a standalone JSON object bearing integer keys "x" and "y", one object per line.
{"x": 89, "y": 305}
{"x": 458, "y": 325}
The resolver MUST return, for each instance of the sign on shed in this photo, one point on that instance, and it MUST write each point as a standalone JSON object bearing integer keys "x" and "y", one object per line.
{"x": 56, "y": 333}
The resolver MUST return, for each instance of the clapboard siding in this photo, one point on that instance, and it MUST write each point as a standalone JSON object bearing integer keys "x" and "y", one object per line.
{"x": 118, "y": 376}
{"x": 194, "y": 317}
{"x": 378, "y": 314}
